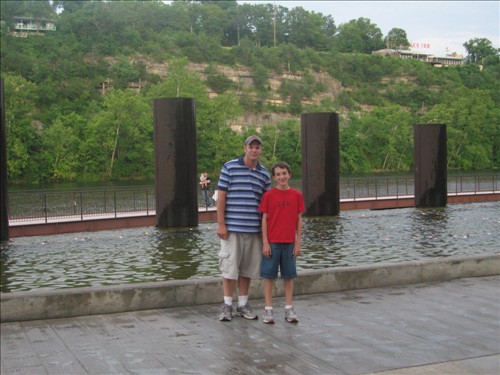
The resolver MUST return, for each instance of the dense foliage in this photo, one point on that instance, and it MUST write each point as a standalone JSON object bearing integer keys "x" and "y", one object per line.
{"x": 72, "y": 116}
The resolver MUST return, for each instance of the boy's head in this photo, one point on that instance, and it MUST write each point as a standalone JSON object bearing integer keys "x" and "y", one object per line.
{"x": 282, "y": 165}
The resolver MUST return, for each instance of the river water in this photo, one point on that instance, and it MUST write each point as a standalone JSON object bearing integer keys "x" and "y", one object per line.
{"x": 148, "y": 254}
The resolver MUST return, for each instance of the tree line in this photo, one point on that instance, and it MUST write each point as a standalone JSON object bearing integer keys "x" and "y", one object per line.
{"x": 61, "y": 127}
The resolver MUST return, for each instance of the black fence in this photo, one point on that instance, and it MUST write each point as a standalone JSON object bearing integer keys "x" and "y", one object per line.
{"x": 78, "y": 204}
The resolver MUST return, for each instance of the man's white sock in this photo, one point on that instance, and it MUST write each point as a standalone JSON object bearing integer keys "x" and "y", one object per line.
{"x": 242, "y": 301}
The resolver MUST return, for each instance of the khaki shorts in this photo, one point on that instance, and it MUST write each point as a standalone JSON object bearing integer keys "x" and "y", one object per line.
{"x": 240, "y": 255}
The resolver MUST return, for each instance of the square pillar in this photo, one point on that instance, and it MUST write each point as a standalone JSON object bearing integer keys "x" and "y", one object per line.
{"x": 320, "y": 163}
{"x": 175, "y": 162}
{"x": 430, "y": 157}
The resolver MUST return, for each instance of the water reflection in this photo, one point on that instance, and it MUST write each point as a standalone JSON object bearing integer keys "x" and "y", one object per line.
{"x": 430, "y": 226}
{"x": 149, "y": 254}
{"x": 322, "y": 243}
{"x": 183, "y": 254}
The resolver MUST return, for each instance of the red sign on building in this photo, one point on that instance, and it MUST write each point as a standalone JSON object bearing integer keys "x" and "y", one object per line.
{"x": 420, "y": 45}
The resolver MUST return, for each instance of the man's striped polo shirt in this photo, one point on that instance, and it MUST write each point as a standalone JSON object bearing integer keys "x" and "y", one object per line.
{"x": 244, "y": 188}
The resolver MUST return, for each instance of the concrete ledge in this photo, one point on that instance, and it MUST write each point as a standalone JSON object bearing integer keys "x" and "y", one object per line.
{"x": 63, "y": 303}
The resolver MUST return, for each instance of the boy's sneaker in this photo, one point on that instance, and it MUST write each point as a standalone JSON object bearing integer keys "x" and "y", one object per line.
{"x": 226, "y": 313}
{"x": 290, "y": 316}
{"x": 268, "y": 316}
{"x": 246, "y": 312}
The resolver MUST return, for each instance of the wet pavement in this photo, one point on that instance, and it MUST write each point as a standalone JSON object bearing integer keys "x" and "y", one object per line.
{"x": 450, "y": 327}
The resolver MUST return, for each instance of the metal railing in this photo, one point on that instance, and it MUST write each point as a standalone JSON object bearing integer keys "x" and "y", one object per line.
{"x": 76, "y": 204}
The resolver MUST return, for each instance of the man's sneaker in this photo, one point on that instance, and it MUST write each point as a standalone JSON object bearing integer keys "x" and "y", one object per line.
{"x": 290, "y": 316}
{"x": 226, "y": 313}
{"x": 246, "y": 312}
{"x": 268, "y": 316}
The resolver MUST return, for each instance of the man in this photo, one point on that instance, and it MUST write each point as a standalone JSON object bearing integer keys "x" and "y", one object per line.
{"x": 242, "y": 183}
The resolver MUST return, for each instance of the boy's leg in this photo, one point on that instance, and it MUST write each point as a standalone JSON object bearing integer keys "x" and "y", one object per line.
{"x": 288, "y": 285}
{"x": 268, "y": 291}
{"x": 289, "y": 273}
{"x": 268, "y": 318}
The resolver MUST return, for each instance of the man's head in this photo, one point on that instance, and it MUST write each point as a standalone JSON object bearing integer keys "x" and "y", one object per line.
{"x": 252, "y": 149}
{"x": 252, "y": 139}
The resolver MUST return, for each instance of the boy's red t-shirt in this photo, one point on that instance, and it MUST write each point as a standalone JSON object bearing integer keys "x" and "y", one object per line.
{"x": 282, "y": 208}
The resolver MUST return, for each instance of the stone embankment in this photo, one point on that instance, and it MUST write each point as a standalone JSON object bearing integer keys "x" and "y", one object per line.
{"x": 65, "y": 303}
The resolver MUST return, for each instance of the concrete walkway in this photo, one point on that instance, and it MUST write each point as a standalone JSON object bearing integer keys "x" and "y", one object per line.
{"x": 450, "y": 327}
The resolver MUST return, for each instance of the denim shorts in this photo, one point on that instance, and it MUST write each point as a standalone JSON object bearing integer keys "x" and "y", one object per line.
{"x": 282, "y": 258}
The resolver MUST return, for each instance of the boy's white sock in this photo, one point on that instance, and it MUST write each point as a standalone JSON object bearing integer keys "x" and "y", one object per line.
{"x": 288, "y": 307}
{"x": 268, "y": 308}
{"x": 228, "y": 300}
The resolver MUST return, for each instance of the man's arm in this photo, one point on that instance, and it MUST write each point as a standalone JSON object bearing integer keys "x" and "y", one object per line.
{"x": 221, "y": 209}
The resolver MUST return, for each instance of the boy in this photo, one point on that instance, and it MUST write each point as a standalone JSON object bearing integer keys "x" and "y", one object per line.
{"x": 282, "y": 209}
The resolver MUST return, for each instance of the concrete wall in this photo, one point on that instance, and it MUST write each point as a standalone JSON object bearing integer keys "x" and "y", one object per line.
{"x": 35, "y": 305}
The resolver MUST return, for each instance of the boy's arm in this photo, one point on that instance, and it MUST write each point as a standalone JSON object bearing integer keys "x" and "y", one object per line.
{"x": 298, "y": 239}
{"x": 266, "y": 247}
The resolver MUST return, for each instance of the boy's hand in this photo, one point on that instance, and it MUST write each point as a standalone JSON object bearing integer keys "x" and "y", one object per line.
{"x": 266, "y": 250}
{"x": 296, "y": 250}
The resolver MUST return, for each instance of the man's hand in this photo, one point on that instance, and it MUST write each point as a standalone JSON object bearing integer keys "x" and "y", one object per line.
{"x": 222, "y": 231}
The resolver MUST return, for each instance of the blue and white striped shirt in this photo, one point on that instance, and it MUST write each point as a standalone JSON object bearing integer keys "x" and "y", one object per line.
{"x": 244, "y": 188}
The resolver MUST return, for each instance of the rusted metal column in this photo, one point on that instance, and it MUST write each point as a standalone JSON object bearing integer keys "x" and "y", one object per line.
{"x": 430, "y": 156}
{"x": 320, "y": 163}
{"x": 4, "y": 198}
{"x": 175, "y": 162}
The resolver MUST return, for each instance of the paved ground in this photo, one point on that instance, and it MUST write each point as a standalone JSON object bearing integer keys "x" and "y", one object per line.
{"x": 437, "y": 328}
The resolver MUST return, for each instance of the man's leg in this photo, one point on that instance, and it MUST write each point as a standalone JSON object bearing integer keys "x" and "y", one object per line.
{"x": 227, "y": 307}
{"x": 228, "y": 287}
{"x": 243, "y": 285}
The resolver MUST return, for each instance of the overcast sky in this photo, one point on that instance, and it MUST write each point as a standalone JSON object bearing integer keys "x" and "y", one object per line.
{"x": 435, "y": 27}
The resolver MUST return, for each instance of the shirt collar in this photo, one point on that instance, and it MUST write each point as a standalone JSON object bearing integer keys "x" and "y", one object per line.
{"x": 242, "y": 163}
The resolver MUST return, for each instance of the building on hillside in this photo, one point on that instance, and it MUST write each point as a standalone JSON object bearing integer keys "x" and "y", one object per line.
{"x": 24, "y": 26}
{"x": 425, "y": 57}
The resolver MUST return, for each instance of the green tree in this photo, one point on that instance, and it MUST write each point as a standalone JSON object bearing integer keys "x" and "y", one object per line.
{"x": 387, "y": 138}
{"x": 310, "y": 29}
{"x": 22, "y": 137}
{"x": 119, "y": 139}
{"x": 35, "y": 9}
{"x": 180, "y": 83}
{"x": 219, "y": 83}
{"x": 214, "y": 21}
{"x": 472, "y": 120}
{"x": 61, "y": 143}
{"x": 396, "y": 39}
{"x": 352, "y": 149}
{"x": 217, "y": 142}
{"x": 359, "y": 36}
{"x": 122, "y": 72}
{"x": 479, "y": 50}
